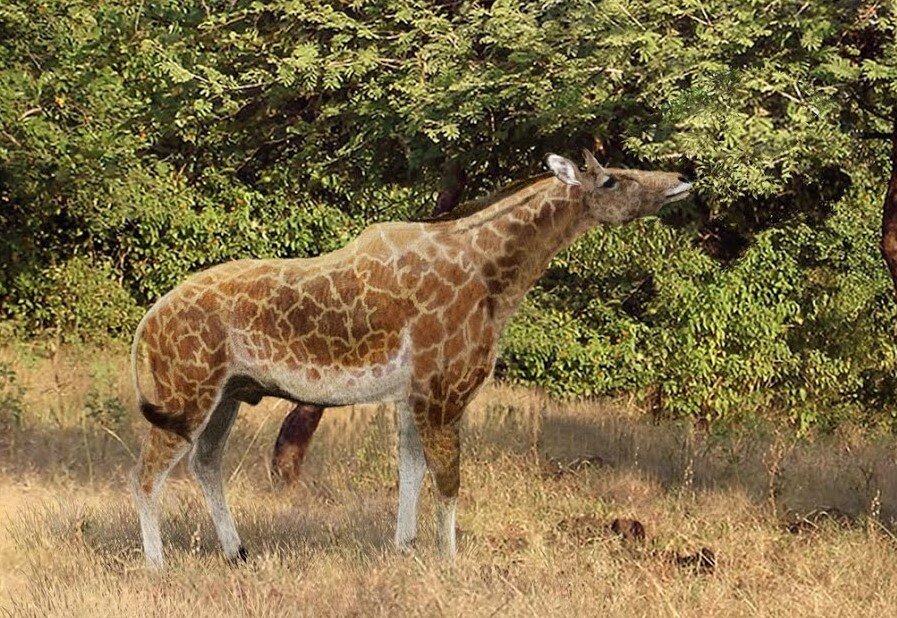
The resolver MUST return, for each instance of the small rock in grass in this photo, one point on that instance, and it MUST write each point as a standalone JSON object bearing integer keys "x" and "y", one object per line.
{"x": 592, "y": 461}
{"x": 703, "y": 560}
{"x": 629, "y": 529}
{"x": 811, "y": 522}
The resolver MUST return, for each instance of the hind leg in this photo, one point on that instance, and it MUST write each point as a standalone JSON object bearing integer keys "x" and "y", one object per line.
{"x": 205, "y": 463}
{"x": 161, "y": 451}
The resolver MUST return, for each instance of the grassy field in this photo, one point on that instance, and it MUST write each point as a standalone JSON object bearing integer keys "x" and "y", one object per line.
{"x": 796, "y": 528}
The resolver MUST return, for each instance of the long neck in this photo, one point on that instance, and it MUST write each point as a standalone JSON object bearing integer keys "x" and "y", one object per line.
{"x": 515, "y": 239}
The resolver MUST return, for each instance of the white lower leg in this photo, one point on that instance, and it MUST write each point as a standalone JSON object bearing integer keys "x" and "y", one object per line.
{"x": 148, "y": 512}
{"x": 212, "y": 485}
{"x": 147, "y": 481}
{"x": 412, "y": 468}
{"x": 445, "y": 526}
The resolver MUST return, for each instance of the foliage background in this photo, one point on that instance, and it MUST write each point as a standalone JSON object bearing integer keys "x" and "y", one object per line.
{"x": 142, "y": 140}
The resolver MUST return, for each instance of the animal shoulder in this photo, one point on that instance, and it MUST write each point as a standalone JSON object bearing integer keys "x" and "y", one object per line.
{"x": 233, "y": 269}
{"x": 393, "y": 239}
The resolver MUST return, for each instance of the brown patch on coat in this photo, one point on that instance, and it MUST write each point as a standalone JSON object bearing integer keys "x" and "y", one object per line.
{"x": 427, "y": 331}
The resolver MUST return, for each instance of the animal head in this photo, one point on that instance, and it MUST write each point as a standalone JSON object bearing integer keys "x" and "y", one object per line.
{"x": 617, "y": 195}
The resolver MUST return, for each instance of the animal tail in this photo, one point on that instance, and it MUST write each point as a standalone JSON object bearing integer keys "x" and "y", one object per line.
{"x": 175, "y": 422}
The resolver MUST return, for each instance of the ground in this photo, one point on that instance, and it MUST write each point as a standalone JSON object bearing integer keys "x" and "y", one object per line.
{"x": 794, "y": 527}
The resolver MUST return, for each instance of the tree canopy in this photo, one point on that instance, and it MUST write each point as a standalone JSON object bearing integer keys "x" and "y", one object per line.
{"x": 141, "y": 140}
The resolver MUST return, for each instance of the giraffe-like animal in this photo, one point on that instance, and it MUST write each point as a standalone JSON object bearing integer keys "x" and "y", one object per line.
{"x": 300, "y": 423}
{"x": 407, "y": 312}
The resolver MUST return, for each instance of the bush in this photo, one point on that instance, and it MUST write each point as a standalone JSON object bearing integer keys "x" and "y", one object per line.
{"x": 799, "y": 323}
{"x": 11, "y": 393}
{"x": 77, "y": 300}
{"x": 141, "y": 141}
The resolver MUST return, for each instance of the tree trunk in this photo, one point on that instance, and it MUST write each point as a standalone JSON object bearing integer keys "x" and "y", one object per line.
{"x": 889, "y": 212}
{"x": 453, "y": 184}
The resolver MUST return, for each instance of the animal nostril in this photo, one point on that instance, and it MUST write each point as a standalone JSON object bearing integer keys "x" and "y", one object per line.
{"x": 682, "y": 178}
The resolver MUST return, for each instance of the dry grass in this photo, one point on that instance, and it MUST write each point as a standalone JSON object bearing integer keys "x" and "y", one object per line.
{"x": 541, "y": 483}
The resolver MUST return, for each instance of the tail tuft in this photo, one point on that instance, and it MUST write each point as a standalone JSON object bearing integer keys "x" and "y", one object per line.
{"x": 175, "y": 423}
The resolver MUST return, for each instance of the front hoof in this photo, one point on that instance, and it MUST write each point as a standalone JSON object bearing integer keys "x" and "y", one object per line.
{"x": 405, "y": 548}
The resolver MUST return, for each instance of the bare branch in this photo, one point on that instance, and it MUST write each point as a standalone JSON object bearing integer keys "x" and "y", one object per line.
{"x": 11, "y": 138}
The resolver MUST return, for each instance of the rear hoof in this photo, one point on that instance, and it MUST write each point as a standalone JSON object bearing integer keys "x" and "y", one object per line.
{"x": 241, "y": 557}
{"x": 405, "y": 548}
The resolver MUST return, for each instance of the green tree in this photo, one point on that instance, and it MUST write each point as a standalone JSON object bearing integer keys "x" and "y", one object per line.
{"x": 153, "y": 138}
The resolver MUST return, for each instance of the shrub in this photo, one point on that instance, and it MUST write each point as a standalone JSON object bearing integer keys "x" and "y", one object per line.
{"x": 11, "y": 393}
{"x": 143, "y": 141}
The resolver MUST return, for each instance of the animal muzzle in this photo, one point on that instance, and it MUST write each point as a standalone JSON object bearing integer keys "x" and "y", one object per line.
{"x": 679, "y": 192}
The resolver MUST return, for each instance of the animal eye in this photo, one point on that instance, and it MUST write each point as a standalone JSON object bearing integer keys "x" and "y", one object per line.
{"x": 610, "y": 182}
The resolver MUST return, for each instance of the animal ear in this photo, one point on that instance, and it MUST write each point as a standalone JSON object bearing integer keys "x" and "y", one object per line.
{"x": 564, "y": 169}
{"x": 592, "y": 164}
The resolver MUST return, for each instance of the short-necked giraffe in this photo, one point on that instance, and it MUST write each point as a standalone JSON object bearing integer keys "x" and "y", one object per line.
{"x": 301, "y": 422}
{"x": 407, "y": 312}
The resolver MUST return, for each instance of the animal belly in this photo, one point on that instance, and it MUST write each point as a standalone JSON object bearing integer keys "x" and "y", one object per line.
{"x": 333, "y": 386}
{"x": 300, "y": 373}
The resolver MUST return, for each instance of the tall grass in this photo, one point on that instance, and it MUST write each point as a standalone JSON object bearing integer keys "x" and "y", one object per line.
{"x": 541, "y": 482}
